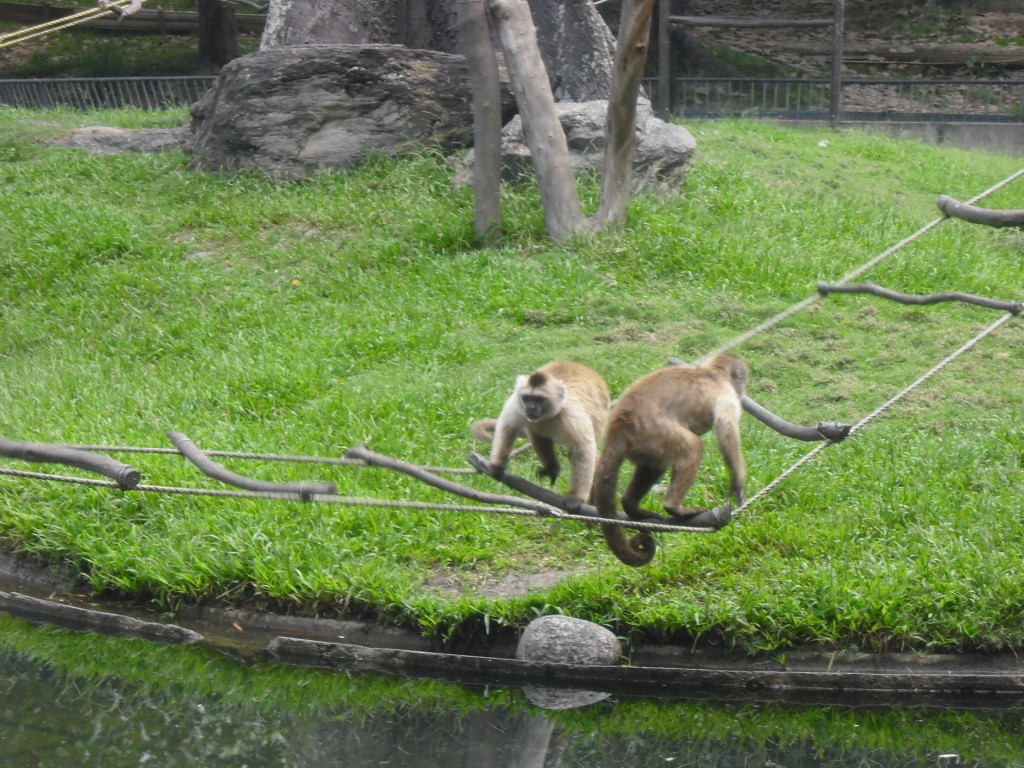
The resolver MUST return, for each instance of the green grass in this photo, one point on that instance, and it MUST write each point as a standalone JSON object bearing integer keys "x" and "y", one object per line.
{"x": 137, "y": 296}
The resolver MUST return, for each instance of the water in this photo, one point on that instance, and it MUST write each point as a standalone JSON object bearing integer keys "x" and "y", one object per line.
{"x": 82, "y": 700}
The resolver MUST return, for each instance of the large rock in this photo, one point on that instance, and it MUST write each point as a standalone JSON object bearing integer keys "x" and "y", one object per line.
{"x": 291, "y": 110}
{"x": 660, "y": 163}
{"x": 567, "y": 640}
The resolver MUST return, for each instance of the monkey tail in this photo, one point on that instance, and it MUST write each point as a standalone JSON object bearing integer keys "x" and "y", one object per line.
{"x": 483, "y": 429}
{"x": 638, "y": 550}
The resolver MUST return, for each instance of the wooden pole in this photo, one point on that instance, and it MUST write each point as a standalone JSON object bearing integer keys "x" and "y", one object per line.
{"x": 664, "y": 59}
{"x": 835, "y": 103}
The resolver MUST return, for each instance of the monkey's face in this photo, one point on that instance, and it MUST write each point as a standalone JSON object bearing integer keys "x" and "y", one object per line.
{"x": 535, "y": 406}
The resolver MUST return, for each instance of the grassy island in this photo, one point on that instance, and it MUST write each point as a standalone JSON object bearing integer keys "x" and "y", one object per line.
{"x": 299, "y": 319}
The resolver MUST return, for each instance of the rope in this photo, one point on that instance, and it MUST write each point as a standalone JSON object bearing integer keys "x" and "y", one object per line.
{"x": 352, "y": 501}
{"x": 875, "y": 413}
{"x": 124, "y": 7}
{"x": 810, "y": 300}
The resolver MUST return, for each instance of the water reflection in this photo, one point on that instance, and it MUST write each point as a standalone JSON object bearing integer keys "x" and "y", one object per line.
{"x": 85, "y": 701}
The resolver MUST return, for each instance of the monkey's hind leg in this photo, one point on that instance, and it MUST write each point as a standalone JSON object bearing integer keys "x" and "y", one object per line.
{"x": 689, "y": 451}
{"x": 644, "y": 478}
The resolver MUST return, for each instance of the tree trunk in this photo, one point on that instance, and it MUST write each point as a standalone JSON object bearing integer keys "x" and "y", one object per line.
{"x": 218, "y": 33}
{"x": 543, "y": 131}
{"x": 620, "y": 125}
{"x": 475, "y": 34}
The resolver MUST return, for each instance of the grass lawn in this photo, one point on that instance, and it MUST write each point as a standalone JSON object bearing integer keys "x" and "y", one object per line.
{"x": 138, "y": 297}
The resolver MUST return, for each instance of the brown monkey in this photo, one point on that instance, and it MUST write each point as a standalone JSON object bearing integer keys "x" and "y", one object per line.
{"x": 656, "y": 424}
{"x": 561, "y": 402}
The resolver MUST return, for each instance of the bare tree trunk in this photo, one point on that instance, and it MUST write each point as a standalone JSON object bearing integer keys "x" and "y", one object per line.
{"x": 218, "y": 33}
{"x": 620, "y": 124}
{"x": 477, "y": 47}
{"x": 541, "y": 126}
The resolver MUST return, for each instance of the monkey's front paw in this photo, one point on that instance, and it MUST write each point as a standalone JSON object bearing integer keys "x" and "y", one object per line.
{"x": 497, "y": 471}
{"x": 573, "y": 504}
{"x": 549, "y": 473}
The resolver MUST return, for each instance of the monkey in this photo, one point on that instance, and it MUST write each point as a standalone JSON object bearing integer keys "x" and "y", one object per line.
{"x": 560, "y": 403}
{"x": 656, "y": 425}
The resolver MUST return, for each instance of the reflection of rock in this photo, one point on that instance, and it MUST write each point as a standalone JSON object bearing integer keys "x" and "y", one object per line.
{"x": 291, "y": 110}
{"x": 566, "y": 640}
{"x": 661, "y": 161}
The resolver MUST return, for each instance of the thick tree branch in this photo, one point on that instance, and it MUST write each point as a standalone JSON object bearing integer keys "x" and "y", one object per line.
{"x": 958, "y": 210}
{"x": 210, "y": 468}
{"x": 1013, "y": 307}
{"x": 124, "y": 475}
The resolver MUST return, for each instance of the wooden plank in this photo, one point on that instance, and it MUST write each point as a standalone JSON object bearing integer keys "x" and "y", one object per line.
{"x": 748, "y": 22}
{"x": 696, "y": 679}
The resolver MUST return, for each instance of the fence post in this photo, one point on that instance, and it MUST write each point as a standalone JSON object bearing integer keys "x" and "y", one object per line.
{"x": 835, "y": 103}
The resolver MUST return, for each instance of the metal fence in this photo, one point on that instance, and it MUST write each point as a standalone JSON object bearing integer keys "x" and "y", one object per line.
{"x": 781, "y": 98}
{"x": 105, "y": 92}
{"x": 861, "y": 99}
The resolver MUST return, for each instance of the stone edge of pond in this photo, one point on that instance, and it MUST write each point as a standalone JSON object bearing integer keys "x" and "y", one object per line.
{"x": 658, "y": 670}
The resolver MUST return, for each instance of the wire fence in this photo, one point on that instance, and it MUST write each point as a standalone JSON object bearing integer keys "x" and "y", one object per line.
{"x": 861, "y": 99}
{"x": 778, "y": 98}
{"x": 105, "y": 92}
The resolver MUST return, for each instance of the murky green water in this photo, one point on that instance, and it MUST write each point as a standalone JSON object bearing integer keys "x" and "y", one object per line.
{"x": 70, "y": 699}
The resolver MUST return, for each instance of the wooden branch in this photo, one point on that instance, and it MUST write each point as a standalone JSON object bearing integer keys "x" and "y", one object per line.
{"x": 992, "y": 218}
{"x": 475, "y": 39}
{"x": 717, "y": 517}
{"x": 1013, "y": 307}
{"x": 824, "y": 430}
{"x": 125, "y": 475}
{"x": 620, "y": 122}
{"x": 210, "y": 468}
{"x": 86, "y": 620}
{"x": 373, "y": 459}
{"x": 541, "y": 126}
{"x": 833, "y": 431}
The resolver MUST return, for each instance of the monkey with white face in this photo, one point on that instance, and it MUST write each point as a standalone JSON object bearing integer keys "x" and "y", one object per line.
{"x": 561, "y": 403}
{"x": 656, "y": 425}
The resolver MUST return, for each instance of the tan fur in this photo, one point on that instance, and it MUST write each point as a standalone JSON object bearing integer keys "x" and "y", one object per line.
{"x": 656, "y": 425}
{"x": 561, "y": 403}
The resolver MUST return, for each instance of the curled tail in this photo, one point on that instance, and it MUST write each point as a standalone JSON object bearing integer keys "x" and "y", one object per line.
{"x": 483, "y": 429}
{"x": 638, "y": 550}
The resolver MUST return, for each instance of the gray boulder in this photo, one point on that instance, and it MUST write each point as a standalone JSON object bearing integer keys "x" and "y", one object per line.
{"x": 566, "y": 640}
{"x": 661, "y": 161}
{"x": 291, "y": 110}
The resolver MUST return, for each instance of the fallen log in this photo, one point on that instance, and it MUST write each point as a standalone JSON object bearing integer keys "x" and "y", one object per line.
{"x": 86, "y": 620}
{"x": 992, "y": 218}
